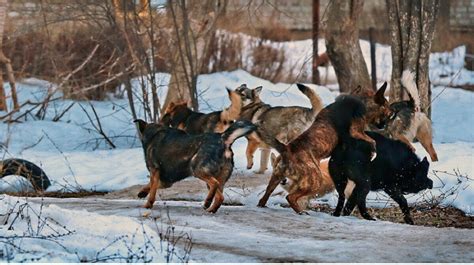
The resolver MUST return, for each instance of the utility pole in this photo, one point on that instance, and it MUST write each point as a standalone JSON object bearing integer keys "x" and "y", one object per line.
{"x": 316, "y": 79}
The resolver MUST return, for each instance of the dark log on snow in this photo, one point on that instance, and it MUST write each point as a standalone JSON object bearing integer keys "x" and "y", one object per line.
{"x": 26, "y": 169}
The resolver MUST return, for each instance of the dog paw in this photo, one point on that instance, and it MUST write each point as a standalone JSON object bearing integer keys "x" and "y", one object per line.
{"x": 211, "y": 210}
{"x": 303, "y": 213}
{"x": 142, "y": 194}
{"x": 336, "y": 214}
{"x": 262, "y": 204}
{"x": 148, "y": 205}
{"x": 259, "y": 172}
{"x": 408, "y": 220}
{"x": 373, "y": 156}
{"x": 249, "y": 165}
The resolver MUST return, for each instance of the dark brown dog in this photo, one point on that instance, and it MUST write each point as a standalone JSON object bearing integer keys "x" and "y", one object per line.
{"x": 172, "y": 155}
{"x": 180, "y": 116}
{"x": 300, "y": 159}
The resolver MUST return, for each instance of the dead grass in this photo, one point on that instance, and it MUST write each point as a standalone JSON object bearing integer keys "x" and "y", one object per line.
{"x": 58, "y": 194}
{"x": 438, "y": 216}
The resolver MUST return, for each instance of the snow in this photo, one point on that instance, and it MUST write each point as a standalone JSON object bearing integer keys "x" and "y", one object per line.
{"x": 75, "y": 156}
{"x": 48, "y": 233}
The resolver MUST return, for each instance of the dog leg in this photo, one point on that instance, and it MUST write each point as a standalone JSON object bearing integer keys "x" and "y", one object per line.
{"x": 264, "y": 157}
{"x": 404, "y": 140}
{"x": 359, "y": 193}
{"x": 154, "y": 185}
{"x": 252, "y": 146}
{"x": 361, "y": 202}
{"x": 295, "y": 197}
{"x": 397, "y": 196}
{"x": 357, "y": 131}
{"x": 144, "y": 191}
{"x": 212, "y": 185}
{"x": 274, "y": 181}
{"x": 340, "y": 188}
{"x": 425, "y": 137}
{"x": 218, "y": 198}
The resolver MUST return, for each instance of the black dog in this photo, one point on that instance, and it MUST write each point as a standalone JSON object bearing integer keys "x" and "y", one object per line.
{"x": 396, "y": 170}
{"x": 172, "y": 155}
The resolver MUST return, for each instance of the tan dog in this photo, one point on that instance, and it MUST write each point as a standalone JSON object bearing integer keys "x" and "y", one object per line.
{"x": 282, "y": 123}
{"x": 409, "y": 122}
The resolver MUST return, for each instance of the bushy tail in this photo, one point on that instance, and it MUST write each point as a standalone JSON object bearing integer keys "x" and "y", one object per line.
{"x": 237, "y": 130}
{"x": 316, "y": 102}
{"x": 408, "y": 81}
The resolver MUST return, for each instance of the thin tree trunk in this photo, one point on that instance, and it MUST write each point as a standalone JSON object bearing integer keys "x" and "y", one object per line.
{"x": 5, "y": 61}
{"x": 412, "y": 24}
{"x": 343, "y": 45}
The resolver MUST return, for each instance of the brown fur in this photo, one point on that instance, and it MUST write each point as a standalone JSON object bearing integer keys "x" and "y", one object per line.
{"x": 300, "y": 159}
{"x": 179, "y": 115}
{"x": 378, "y": 107}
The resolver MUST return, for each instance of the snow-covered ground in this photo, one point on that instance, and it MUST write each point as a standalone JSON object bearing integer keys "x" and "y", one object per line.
{"x": 75, "y": 156}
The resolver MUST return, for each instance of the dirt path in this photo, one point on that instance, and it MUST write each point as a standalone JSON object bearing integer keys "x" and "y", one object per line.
{"x": 250, "y": 234}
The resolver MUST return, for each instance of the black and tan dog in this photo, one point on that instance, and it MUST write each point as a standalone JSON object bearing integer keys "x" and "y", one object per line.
{"x": 282, "y": 123}
{"x": 300, "y": 159}
{"x": 408, "y": 121}
{"x": 396, "y": 170}
{"x": 180, "y": 116}
{"x": 172, "y": 155}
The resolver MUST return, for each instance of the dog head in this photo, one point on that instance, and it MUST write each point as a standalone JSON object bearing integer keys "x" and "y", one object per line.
{"x": 378, "y": 108}
{"x": 417, "y": 180}
{"x": 175, "y": 115}
{"x": 249, "y": 95}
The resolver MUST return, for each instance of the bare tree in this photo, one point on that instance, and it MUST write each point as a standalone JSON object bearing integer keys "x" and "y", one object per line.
{"x": 5, "y": 61}
{"x": 412, "y": 24}
{"x": 194, "y": 25}
{"x": 343, "y": 47}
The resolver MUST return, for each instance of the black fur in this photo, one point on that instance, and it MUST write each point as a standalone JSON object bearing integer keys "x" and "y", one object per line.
{"x": 26, "y": 169}
{"x": 343, "y": 111}
{"x": 179, "y": 155}
{"x": 172, "y": 155}
{"x": 194, "y": 122}
{"x": 396, "y": 170}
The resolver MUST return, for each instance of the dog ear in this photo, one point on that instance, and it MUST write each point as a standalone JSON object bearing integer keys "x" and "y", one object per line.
{"x": 141, "y": 125}
{"x": 256, "y": 91}
{"x": 379, "y": 97}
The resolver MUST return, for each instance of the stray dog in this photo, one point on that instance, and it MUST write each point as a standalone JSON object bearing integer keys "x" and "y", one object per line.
{"x": 300, "y": 159}
{"x": 282, "y": 123}
{"x": 408, "y": 121}
{"x": 326, "y": 187}
{"x": 178, "y": 115}
{"x": 172, "y": 155}
{"x": 396, "y": 170}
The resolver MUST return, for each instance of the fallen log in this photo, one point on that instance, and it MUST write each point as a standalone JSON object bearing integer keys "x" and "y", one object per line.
{"x": 20, "y": 167}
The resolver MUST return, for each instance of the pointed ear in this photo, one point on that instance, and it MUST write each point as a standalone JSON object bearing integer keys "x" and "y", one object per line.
{"x": 141, "y": 125}
{"x": 273, "y": 159}
{"x": 228, "y": 90}
{"x": 256, "y": 91}
{"x": 379, "y": 97}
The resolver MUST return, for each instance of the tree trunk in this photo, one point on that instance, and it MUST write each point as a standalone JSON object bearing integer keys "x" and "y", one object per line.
{"x": 412, "y": 24}
{"x": 5, "y": 61}
{"x": 343, "y": 45}
{"x": 194, "y": 26}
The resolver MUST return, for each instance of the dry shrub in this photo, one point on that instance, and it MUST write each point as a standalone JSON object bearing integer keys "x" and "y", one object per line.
{"x": 52, "y": 56}
{"x": 268, "y": 63}
{"x": 275, "y": 32}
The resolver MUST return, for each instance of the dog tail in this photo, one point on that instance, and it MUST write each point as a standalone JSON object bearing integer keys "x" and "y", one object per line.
{"x": 316, "y": 102}
{"x": 237, "y": 130}
{"x": 233, "y": 111}
{"x": 408, "y": 81}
